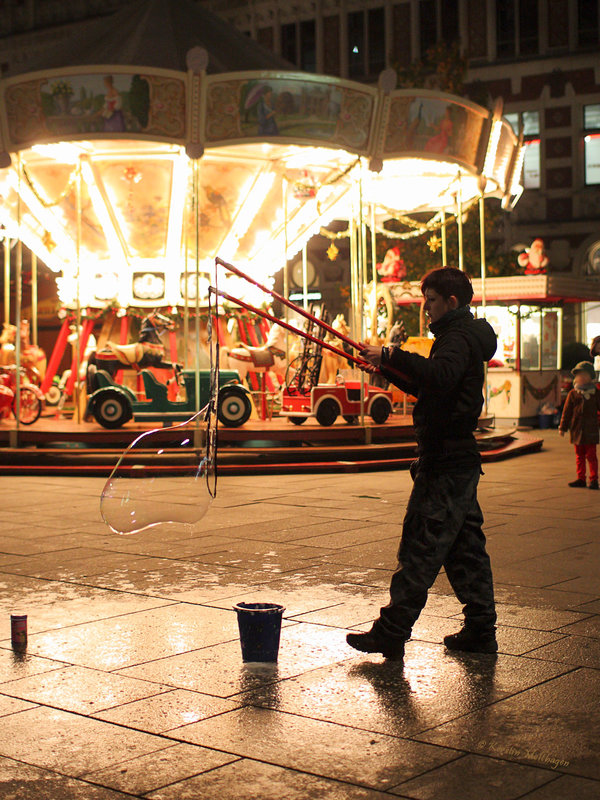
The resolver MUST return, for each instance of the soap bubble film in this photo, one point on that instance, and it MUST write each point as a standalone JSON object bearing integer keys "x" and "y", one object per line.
{"x": 166, "y": 476}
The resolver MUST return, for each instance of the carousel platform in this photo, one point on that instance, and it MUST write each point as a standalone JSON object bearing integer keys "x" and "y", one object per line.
{"x": 64, "y": 446}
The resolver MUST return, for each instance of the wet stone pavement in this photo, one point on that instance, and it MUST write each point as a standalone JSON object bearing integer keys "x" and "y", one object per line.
{"x": 132, "y": 684}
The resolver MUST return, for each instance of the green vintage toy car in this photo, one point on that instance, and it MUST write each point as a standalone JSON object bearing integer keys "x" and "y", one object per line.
{"x": 113, "y": 405}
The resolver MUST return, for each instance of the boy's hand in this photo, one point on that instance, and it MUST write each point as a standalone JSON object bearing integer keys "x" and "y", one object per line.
{"x": 370, "y": 353}
{"x": 561, "y": 433}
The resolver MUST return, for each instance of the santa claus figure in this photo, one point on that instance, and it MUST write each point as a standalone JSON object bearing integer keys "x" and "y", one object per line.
{"x": 534, "y": 259}
{"x": 392, "y": 269}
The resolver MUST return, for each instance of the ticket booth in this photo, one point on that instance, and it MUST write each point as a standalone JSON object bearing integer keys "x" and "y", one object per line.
{"x": 526, "y": 311}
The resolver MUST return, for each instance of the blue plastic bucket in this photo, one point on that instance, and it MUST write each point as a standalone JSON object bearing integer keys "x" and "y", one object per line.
{"x": 260, "y": 629}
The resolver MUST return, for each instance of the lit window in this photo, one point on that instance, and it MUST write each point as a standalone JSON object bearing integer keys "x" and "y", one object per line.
{"x": 591, "y": 144}
{"x": 591, "y": 117}
{"x": 531, "y": 164}
{"x": 592, "y": 158}
{"x": 530, "y": 121}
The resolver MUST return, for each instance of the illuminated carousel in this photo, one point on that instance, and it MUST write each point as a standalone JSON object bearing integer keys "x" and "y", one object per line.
{"x": 129, "y": 180}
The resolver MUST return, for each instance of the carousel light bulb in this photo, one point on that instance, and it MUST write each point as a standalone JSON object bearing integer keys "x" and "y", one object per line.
{"x": 177, "y": 206}
{"x": 252, "y": 195}
{"x": 516, "y": 176}
{"x": 64, "y": 152}
{"x": 490, "y": 156}
{"x": 112, "y": 238}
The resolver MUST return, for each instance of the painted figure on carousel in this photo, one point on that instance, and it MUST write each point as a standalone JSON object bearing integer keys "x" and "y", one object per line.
{"x": 112, "y": 111}
{"x": 267, "y": 124}
{"x": 439, "y": 142}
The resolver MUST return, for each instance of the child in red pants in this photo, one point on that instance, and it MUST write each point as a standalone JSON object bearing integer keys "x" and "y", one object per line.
{"x": 580, "y": 417}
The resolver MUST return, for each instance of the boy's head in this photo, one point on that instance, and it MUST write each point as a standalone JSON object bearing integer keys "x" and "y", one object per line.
{"x": 445, "y": 289}
{"x": 583, "y": 373}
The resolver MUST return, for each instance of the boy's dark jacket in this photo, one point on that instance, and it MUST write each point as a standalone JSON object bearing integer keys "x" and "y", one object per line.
{"x": 448, "y": 385}
{"x": 580, "y": 417}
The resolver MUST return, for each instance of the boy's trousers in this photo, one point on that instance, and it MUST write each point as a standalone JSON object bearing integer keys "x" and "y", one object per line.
{"x": 442, "y": 528}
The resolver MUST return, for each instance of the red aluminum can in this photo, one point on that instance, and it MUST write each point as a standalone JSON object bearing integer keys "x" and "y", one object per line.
{"x": 18, "y": 631}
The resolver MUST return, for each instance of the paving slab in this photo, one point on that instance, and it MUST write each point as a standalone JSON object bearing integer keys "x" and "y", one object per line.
{"x": 473, "y": 777}
{"x": 15, "y": 665}
{"x": 323, "y": 748}
{"x": 152, "y": 771}
{"x": 21, "y": 781}
{"x": 71, "y": 743}
{"x": 255, "y": 779}
{"x": 134, "y": 638}
{"x": 542, "y": 726}
{"x": 81, "y": 690}
{"x": 167, "y": 710}
{"x": 580, "y": 651}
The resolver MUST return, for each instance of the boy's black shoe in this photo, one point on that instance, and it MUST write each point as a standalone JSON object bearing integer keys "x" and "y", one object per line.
{"x": 373, "y": 643}
{"x": 472, "y": 640}
{"x": 593, "y": 485}
{"x": 578, "y": 483}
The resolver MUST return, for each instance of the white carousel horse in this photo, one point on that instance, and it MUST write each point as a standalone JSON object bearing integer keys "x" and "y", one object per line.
{"x": 268, "y": 358}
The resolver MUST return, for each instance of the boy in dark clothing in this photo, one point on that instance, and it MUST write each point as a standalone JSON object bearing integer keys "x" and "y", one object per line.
{"x": 442, "y": 525}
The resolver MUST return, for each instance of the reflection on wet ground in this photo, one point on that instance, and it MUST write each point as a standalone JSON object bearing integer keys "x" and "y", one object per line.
{"x": 132, "y": 683}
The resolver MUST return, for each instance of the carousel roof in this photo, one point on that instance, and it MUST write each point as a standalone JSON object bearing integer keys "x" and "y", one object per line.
{"x": 127, "y": 173}
{"x": 158, "y": 33}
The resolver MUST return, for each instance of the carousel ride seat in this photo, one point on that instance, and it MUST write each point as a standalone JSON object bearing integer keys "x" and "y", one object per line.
{"x": 154, "y": 389}
{"x": 261, "y": 356}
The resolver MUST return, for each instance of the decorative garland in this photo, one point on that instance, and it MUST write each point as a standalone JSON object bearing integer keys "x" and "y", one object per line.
{"x": 61, "y": 196}
{"x": 538, "y": 393}
{"x": 310, "y": 188}
{"x": 173, "y": 311}
{"x": 419, "y": 228}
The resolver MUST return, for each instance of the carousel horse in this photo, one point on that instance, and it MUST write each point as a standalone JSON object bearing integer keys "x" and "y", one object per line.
{"x": 332, "y": 362}
{"x": 268, "y": 358}
{"x": 148, "y": 351}
{"x": 33, "y": 358}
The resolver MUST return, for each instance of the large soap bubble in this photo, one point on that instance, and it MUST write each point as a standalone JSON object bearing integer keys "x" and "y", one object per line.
{"x": 167, "y": 475}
